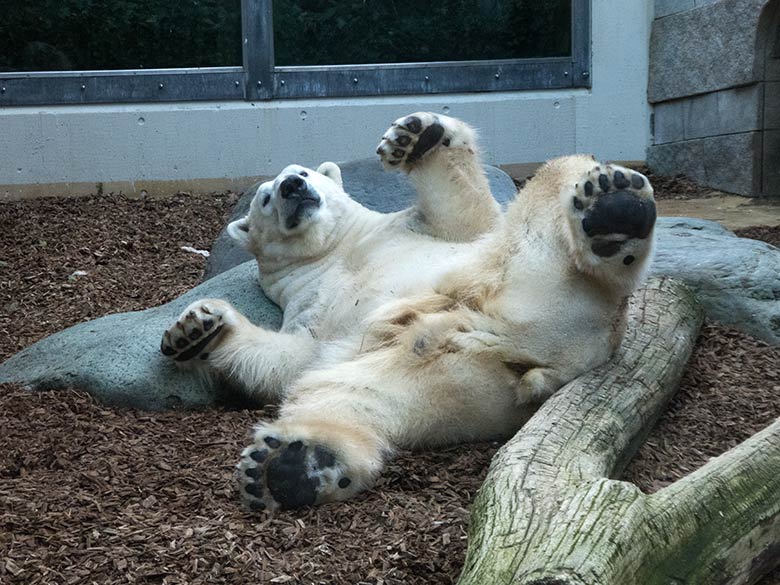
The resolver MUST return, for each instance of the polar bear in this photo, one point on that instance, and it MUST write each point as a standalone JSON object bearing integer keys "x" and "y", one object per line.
{"x": 448, "y": 322}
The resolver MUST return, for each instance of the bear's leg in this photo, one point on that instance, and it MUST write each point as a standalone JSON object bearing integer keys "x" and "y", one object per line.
{"x": 414, "y": 385}
{"x": 211, "y": 333}
{"x": 538, "y": 384}
{"x": 440, "y": 155}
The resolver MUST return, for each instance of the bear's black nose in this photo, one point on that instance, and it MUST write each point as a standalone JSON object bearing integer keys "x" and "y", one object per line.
{"x": 291, "y": 185}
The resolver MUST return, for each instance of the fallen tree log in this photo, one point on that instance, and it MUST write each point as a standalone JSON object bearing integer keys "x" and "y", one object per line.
{"x": 550, "y": 514}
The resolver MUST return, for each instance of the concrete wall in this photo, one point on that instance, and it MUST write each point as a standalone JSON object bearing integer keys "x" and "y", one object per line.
{"x": 714, "y": 83}
{"x": 159, "y": 148}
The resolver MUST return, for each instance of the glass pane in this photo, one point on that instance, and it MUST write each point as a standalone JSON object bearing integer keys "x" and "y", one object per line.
{"x": 338, "y": 32}
{"x": 46, "y": 35}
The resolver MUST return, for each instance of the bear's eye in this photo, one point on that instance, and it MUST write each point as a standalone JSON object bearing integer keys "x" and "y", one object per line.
{"x": 266, "y": 199}
{"x": 304, "y": 174}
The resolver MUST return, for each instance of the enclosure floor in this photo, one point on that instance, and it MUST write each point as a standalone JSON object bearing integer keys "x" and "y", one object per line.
{"x": 90, "y": 494}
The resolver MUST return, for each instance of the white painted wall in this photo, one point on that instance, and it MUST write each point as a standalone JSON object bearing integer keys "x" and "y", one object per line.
{"x": 72, "y": 148}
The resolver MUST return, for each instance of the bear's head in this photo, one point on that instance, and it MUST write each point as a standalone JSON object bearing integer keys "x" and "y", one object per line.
{"x": 294, "y": 215}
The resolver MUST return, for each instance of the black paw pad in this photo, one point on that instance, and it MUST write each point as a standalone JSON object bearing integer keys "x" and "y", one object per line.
{"x": 578, "y": 204}
{"x": 272, "y": 442}
{"x": 288, "y": 481}
{"x": 167, "y": 350}
{"x": 324, "y": 457}
{"x": 254, "y": 489}
{"x": 428, "y": 139}
{"x": 254, "y": 473}
{"x": 181, "y": 343}
{"x": 257, "y": 506}
{"x": 620, "y": 212}
{"x": 258, "y": 455}
{"x": 413, "y": 124}
{"x": 195, "y": 334}
{"x": 403, "y": 140}
{"x": 344, "y": 482}
{"x": 628, "y": 260}
{"x": 620, "y": 181}
{"x": 606, "y": 249}
{"x": 604, "y": 182}
{"x": 637, "y": 181}
{"x": 588, "y": 189}
{"x": 196, "y": 349}
{"x": 208, "y": 324}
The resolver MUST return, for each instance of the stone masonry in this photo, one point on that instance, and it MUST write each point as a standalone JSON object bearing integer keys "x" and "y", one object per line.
{"x": 715, "y": 86}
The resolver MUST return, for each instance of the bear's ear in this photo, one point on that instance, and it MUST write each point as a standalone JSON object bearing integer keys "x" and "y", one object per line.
{"x": 332, "y": 171}
{"x": 239, "y": 231}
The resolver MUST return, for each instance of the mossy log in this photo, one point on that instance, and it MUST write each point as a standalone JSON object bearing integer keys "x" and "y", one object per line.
{"x": 550, "y": 512}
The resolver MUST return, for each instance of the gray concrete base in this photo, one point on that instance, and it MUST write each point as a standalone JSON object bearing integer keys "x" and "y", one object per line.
{"x": 727, "y": 163}
{"x": 713, "y": 80}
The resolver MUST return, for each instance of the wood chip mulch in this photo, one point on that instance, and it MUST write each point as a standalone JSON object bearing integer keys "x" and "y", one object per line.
{"x": 678, "y": 187}
{"x": 770, "y": 235}
{"x": 129, "y": 249}
{"x": 90, "y": 494}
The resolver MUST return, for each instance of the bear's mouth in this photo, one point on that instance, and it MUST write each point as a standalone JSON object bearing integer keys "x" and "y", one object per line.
{"x": 305, "y": 208}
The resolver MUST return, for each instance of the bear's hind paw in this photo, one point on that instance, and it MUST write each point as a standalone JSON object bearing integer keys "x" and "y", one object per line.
{"x": 277, "y": 473}
{"x": 613, "y": 205}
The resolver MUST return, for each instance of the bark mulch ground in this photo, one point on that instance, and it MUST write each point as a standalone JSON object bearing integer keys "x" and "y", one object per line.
{"x": 678, "y": 187}
{"x": 90, "y": 494}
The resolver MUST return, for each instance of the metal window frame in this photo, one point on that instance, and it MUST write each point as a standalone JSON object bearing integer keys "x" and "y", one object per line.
{"x": 260, "y": 79}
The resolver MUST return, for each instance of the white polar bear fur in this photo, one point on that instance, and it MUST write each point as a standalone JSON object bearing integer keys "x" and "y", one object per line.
{"x": 446, "y": 322}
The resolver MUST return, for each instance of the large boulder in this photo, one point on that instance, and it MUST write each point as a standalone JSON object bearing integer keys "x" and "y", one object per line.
{"x": 736, "y": 279}
{"x": 117, "y": 359}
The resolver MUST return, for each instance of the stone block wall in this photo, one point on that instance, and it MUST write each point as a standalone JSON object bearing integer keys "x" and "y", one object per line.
{"x": 715, "y": 87}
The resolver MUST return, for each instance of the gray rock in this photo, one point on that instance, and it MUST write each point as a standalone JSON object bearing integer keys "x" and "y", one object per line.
{"x": 736, "y": 279}
{"x": 366, "y": 182}
{"x": 708, "y": 48}
{"x": 117, "y": 358}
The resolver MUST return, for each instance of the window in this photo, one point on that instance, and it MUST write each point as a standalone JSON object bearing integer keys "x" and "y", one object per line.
{"x": 93, "y": 51}
{"x": 337, "y": 32}
{"x": 55, "y": 35}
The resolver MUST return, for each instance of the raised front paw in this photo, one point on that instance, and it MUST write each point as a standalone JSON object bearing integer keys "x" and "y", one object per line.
{"x": 614, "y": 205}
{"x": 410, "y": 138}
{"x": 197, "y": 331}
{"x": 280, "y": 470}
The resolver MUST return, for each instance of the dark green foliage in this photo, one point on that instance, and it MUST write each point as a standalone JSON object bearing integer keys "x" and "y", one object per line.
{"x": 119, "y": 34}
{"x": 327, "y": 32}
{"x": 143, "y": 34}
